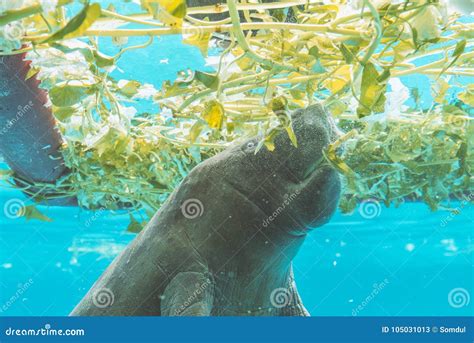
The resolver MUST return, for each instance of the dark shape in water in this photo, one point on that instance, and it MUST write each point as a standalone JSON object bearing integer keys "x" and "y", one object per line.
{"x": 29, "y": 140}
{"x": 224, "y": 241}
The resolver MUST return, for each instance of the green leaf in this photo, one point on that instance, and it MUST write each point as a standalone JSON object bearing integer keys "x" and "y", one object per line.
{"x": 5, "y": 174}
{"x": 458, "y": 50}
{"x": 196, "y": 130}
{"x": 346, "y": 53}
{"x": 77, "y": 25}
{"x": 103, "y": 60}
{"x": 63, "y": 113}
{"x": 292, "y": 136}
{"x": 314, "y": 51}
{"x": 170, "y": 12}
{"x": 372, "y": 93}
{"x": 130, "y": 88}
{"x": 209, "y": 80}
{"x": 384, "y": 76}
{"x": 269, "y": 140}
{"x": 67, "y": 95}
{"x": 31, "y": 212}
{"x": 134, "y": 226}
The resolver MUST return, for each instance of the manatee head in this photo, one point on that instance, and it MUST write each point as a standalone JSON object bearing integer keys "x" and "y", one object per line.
{"x": 314, "y": 130}
{"x": 293, "y": 186}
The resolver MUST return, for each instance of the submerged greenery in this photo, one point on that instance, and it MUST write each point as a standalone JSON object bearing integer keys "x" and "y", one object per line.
{"x": 274, "y": 57}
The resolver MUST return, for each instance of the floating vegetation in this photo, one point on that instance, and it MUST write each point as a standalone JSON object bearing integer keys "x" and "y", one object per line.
{"x": 274, "y": 57}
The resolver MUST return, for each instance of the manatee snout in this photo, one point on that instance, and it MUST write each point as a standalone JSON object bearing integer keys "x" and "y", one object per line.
{"x": 319, "y": 184}
{"x": 314, "y": 130}
{"x": 304, "y": 189}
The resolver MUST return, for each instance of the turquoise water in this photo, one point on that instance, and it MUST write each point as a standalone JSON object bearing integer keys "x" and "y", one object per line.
{"x": 402, "y": 261}
{"x": 405, "y": 261}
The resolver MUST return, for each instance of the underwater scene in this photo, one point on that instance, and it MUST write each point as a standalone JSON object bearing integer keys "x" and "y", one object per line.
{"x": 236, "y": 158}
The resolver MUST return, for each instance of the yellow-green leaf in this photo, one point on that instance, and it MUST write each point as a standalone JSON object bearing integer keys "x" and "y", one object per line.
{"x": 372, "y": 92}
{"x": 292, "y": 136}
{"x": 196, "y": 37}
{"x": 63, "y": 113}
{"x": 103, "y": 60}
{"x": 111, "y": 140}
{"x": 31, "y": 212}
{"x": 31, "y": 73}
{"x": 77, "y": 25}
{"x": 439, "y": 90}
{"x": 5, "y": 174}
{"x": 195, "y": 131}
{"x": 331, "y": 155}
{"x": 337, "y": 107}
{"x": 170, "y": 12}
{"x": 134, "y": 226}
{"x": 269, "y": 141}
{"x": 346, "y": 53}
{"x": 209, "y": 80}
{"x": 129, "y": 88}
{"x": 278, "y": 105}
{"x": 213, "y": 114}
{"x": 458, "y": 50}
{"x": 467, "y": 96}
{"x": 340, "y": 78}
{"x": 67, "y": 95}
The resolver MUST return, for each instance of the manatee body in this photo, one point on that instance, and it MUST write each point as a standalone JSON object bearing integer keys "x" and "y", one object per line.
{"x": 224, "y": 241}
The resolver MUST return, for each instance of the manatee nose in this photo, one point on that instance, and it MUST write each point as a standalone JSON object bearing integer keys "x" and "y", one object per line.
{"x": 314, "y": 129}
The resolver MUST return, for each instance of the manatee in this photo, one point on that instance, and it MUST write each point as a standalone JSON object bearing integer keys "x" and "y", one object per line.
{"x": 224, "y": 241}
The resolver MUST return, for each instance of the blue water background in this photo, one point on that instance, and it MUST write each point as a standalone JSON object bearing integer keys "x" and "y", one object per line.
{"x": 412, "y": 256}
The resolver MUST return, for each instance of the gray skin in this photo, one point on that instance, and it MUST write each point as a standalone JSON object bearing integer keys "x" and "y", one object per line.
{"x": 233, "y": 255}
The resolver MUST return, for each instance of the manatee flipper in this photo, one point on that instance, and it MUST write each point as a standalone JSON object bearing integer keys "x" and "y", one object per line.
{"x": 188, "y": 294}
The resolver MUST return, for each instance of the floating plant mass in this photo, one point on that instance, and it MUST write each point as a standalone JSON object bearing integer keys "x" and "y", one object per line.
{"x": 269, "y": 59}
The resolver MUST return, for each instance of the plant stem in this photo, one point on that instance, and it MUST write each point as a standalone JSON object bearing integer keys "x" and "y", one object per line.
{"x": 429, "y": 66}
{"x": 163, "y": 31}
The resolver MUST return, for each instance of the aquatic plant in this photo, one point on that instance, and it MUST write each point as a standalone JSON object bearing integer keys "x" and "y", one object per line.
{"x": 273, "y": 57}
